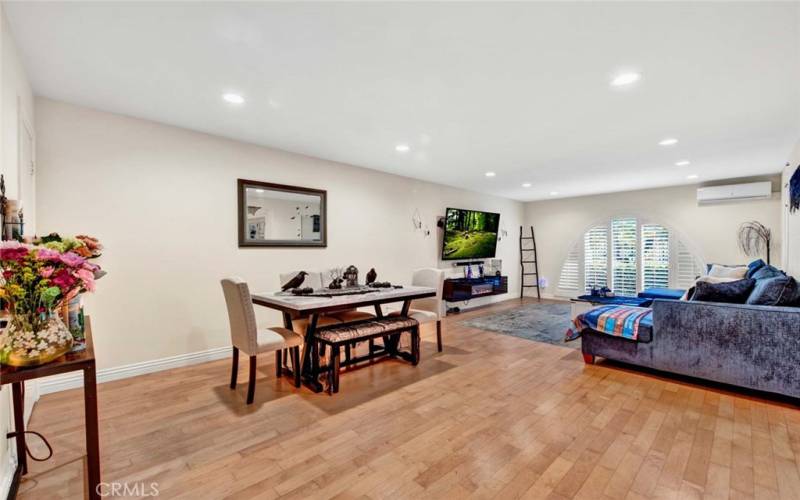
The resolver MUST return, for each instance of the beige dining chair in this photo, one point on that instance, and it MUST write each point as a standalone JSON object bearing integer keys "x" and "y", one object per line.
{"x": 430, "y": 309}
{"x": 251, "y": 340}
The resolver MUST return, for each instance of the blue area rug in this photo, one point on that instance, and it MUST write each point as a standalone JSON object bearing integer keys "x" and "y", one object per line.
{"x": 540, "y": 322}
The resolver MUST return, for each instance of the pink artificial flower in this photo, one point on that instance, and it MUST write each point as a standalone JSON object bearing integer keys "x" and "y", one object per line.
{"x": 64, "y": 280}
{"x": 72, "y": 259}
{"x": 87, "y": 277}
{"x": 47, "y": 254}
{"x": 46, "y": 272}
{"x": 13, "y": 250}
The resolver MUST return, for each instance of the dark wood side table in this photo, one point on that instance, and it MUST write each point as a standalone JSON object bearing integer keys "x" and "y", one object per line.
{"x": 83, "y": 360}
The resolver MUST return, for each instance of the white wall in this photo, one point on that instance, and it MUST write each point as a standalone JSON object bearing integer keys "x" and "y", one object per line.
{"x": 16, "y": 104}
{"x": 710, "y": 230}
{"x": 163, "y": 202}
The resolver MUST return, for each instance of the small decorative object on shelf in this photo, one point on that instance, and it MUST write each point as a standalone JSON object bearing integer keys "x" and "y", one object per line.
{"x": 371, "y": 276}
{"x": 351, "y": 276}
{"x": 302, "y": 291}
{"x": 755, "y": 238}
{"x": 38, "y": 280}
{"x": 380, "y": 284}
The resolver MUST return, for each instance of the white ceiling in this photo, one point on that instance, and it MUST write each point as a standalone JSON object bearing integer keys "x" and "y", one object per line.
{"x": 518, "y": 89}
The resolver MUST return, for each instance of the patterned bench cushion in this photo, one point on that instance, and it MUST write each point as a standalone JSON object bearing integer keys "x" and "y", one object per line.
{"x": 355, "y": 331}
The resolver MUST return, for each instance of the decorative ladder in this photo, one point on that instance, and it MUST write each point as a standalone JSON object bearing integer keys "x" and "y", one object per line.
{"x": 525, "y": 258}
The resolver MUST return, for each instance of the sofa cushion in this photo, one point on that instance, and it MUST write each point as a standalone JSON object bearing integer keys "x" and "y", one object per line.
{"x": 733, "y": 292}
{"x": 776, "y": 291}
{"x": 754, "y": 266}
{"x": 720, "y": 271}
{"x": 766, "y": 272}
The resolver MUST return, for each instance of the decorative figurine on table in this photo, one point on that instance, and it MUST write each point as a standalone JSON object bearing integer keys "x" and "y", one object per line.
{"x": 336, "y": 284}
{"x": 295, "y": 282}
{"x": 606, "y": 292}
{"x": 480, "y": 270}
{"x": 371, "y": 276}
{"x": 351, "y": 276}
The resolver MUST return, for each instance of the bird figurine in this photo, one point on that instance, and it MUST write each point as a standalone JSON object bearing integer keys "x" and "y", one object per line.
{"x": 371, "y": 276}
{"x": 336, "y": 284}
{"x": 295, "y": 282}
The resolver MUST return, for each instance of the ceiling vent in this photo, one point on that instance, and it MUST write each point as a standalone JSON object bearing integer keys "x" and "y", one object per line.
{"x": 734, "y": 192}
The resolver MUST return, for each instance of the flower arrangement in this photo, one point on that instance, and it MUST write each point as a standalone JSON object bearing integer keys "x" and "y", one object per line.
{"x": 36, "y": 279}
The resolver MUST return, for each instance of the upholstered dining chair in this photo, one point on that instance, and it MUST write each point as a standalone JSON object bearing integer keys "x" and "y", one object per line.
{"x": 248, "y": 338}
{"x": 428, "y": 310}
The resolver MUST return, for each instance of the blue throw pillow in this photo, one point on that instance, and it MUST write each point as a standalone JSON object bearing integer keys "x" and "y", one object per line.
{"x": 732, "y": 292}
{"x": 766, "y": 272}
{"x": 753, "y": 267}
{"x": 776, "y": 291}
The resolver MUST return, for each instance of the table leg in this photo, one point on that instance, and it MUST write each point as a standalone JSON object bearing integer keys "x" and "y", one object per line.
{"x": 394, "y": 339}
{"x": 18, "y": 399}
{"x": 92, "y": 430}
{"x": 311, "y": 357}
{"x": 378, "y": 311}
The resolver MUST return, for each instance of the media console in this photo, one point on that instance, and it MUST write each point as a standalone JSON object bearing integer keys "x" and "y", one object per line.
{"x": 457, "y": 289}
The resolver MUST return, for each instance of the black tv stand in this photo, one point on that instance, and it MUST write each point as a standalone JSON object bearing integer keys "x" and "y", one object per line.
{"x": 458, "y": 289}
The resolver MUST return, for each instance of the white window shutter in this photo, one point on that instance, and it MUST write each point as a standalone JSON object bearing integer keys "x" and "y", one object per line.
{"x": 595, "y": 257}
{"x": 624, "y": 250}
{"x": 655, "y": 256}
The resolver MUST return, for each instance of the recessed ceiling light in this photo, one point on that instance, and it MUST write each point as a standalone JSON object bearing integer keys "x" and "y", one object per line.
{"x": 526, "y": 184}
{"x": 669, "y": 141}
{"x": 553, "y": 193}
{"x": 682, "y": 163}
{"x": 490, "y": 174}
{"x": 233, "y": 98}
{"x": 402, "y": 148}
{"x": 693, "y": 176}
{"x": 624, "y": 79}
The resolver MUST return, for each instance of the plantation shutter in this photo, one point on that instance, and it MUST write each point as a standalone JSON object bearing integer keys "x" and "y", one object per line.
{"x": 655, "y": 256}
{"x": 623, "y": 256}
{"x": 569, "y": 272}
{"x": 688, "y": 268}
{"x": 595, "y": 257}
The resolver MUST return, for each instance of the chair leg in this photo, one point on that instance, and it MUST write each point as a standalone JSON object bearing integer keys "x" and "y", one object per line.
{"x": 439, "y": 334}
{"x": 234, "y": 367}
{"x": 415, "y": 345}
{"x": 251, "y": 386}
{"x": 334, "y": 369}
{"x": 278, "y": 363}
{"x": 588, "y": 358}
{"x": 296, "y": 365}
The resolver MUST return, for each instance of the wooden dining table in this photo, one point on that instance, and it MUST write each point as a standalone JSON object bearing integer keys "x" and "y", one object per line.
{"x": 311, "y": 307}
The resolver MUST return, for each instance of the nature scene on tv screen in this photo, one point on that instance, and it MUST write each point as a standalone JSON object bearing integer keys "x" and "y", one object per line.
{"x": 470, "y": 234}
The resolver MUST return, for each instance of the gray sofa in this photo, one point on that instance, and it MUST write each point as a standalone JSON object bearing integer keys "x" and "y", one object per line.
{"x": 757, "y": 347}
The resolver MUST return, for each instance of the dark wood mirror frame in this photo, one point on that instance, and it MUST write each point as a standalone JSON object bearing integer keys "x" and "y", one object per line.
{"x": 243, "y": 184}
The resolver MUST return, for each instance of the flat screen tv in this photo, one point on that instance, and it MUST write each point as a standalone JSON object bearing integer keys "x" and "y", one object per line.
{"x": 469, "y": 234}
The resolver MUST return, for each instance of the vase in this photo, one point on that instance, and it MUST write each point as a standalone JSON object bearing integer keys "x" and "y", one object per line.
{"x": 20, "y": 347}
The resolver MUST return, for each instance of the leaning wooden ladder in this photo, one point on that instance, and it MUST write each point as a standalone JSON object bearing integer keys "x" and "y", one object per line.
{"x": 526, "y": 258}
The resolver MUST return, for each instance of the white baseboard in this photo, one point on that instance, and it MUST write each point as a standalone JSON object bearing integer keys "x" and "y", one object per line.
{"x": 74, "y": 380}
{"x": 7, "y": 470}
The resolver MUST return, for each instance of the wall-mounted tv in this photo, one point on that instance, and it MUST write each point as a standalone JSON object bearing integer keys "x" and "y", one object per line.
{"x": 469, "y": 234}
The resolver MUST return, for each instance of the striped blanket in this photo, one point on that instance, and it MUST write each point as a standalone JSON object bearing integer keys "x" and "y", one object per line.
{"x": 619, "y": 321}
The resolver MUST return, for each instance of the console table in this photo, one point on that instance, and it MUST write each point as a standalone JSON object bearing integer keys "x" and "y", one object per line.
{"x": 456, "y": 289}
{"x": 74, "y": 361}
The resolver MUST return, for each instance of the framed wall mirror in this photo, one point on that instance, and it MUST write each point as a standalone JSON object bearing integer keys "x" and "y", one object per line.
{"x": 275, "y": 215}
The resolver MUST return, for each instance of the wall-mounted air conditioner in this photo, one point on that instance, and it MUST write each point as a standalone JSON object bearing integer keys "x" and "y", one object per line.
{"x": 734, "y": 192}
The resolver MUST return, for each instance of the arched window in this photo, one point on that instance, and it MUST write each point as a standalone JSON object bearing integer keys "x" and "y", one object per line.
{"x": 628, "y": 255}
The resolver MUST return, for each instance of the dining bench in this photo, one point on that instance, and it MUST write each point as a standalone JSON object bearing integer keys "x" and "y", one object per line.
{"x": 389, "y": 328}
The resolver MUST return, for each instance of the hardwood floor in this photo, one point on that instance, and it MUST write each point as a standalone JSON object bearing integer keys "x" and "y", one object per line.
{"x": 493, "y": 416}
